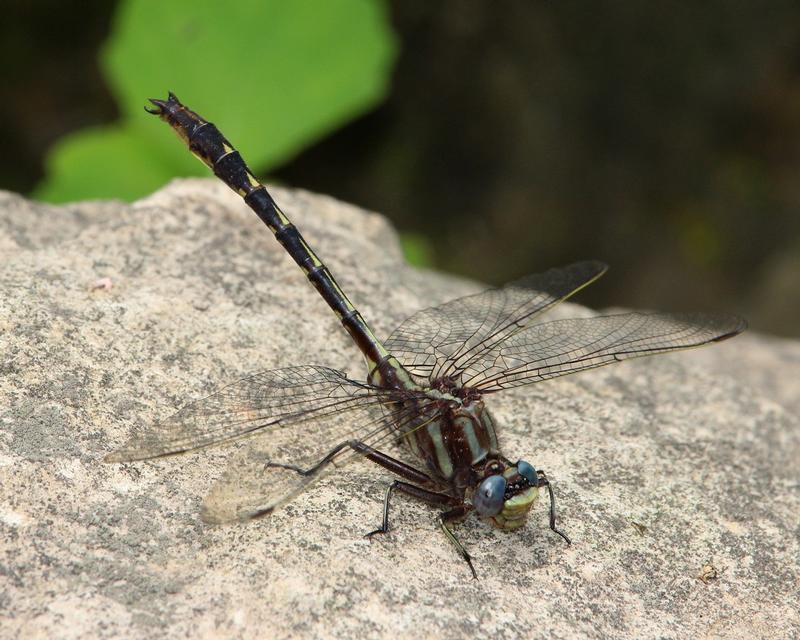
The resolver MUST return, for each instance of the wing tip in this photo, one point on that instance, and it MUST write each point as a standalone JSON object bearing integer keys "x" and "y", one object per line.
{"x": 591, "y": 266}
{"x": 125, "y": 454}
{"x": 213, "y": 515}
{"x": 114, "y": 456}
{"x": 738, "y": 325}
{"x": 599, "y": 265}
{"x": 136, "y": 454}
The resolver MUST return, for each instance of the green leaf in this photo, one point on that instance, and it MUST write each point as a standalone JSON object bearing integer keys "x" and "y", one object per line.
{"x": 104, "y": 162}
{"x": 275, "y": 75}
{"x": 417, "y": 249}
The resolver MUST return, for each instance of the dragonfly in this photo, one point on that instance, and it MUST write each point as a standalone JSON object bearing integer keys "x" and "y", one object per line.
{"x": 426, "y": 385}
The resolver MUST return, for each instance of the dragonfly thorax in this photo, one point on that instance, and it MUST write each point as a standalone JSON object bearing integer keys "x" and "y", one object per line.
{"x": 453, "y": 387}
{"x": 453, "y": 438}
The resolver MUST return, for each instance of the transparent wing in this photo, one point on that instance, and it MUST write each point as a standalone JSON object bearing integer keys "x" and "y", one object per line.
{"x": 280, "y": 465}
{"x": 445, "y": 340}
{"x": 561, "y": 347}
{"x": 266, "y": 400}
{"x": 296, "y": 417}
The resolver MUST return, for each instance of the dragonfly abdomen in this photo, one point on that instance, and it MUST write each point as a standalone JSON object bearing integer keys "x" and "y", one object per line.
{"x": 208, "y": 144}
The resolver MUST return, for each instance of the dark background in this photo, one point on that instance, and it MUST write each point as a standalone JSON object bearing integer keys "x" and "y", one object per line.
{"x": 663, "y": 139}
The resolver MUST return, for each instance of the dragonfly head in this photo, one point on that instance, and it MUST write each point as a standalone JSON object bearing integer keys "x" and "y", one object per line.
{"x": 506, "y": 493}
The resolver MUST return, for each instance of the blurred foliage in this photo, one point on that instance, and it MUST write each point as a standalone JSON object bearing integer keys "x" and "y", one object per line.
{"x": 662, "y": 138}
{"x": 417, "y": 249}
{"x": 280, "y": 75}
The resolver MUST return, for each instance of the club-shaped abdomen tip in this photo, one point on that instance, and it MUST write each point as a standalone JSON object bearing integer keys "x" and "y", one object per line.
{"x": 159, "y": 104}
{"x": 163, "y": 106}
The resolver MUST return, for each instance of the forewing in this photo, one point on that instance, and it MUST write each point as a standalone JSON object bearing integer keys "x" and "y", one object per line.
{"x": 561, "y": 347}
{"x": 263, "y": 401}
{"x": 443, "y": 340}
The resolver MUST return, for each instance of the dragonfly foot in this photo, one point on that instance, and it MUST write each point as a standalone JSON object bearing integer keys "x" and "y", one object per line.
{"x": 452, "y": 516}
{"x": 372, "y": 533}
{"x": 544, "y": 482}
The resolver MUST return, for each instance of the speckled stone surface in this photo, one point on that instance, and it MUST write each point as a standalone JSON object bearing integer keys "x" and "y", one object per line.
{"x": 678, "y": 477}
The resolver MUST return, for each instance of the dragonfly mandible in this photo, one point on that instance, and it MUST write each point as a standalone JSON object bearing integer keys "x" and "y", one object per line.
{"x": 426, "y": 385}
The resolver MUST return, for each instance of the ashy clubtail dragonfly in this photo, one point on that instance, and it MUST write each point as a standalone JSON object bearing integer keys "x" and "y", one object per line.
{"x": 425, "y": 386}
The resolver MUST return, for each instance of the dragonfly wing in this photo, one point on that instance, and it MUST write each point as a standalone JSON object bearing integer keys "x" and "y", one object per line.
{"x": 280, "y": 465}
{"x": 250, "y": 487}
{"x": 444, "y": 339}
{"x": 264, "y": 401}
{"x": 295, "y": 417}
{"x": 561, "y": 347}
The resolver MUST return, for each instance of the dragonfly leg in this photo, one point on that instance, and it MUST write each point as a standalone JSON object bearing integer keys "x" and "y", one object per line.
{"x": 425, "y": 495}
{"x": 544, "y": 482}
{"x": 387, "y": 462}
{"x": 320, "y": 465}
{"x": 394, "y": 465}
{"x": 452, "y": 516}
{"x": 403, "y": 470}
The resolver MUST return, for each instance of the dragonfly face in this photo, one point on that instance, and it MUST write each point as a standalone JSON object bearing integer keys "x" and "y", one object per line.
{"x": 506, "y": 493}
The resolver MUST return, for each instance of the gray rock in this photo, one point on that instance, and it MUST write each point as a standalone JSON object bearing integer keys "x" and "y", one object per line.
{"x": 677, "y": 476}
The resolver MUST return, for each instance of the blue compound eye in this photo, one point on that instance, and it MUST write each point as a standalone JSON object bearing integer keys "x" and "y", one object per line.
{"x": 526, "y": 470}
{"x": 488, "y": 499}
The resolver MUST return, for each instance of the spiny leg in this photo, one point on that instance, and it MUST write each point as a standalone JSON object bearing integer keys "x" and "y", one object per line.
{"x": 324, "y": 462}
{"x": 451, "y": 516}
{"x": 432, "y": 497}
{"x": 387, "y": 462}
{"x": 404, "y": 471}
{"x": 544, "y": 482}
{"x": 409, "y": 473}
